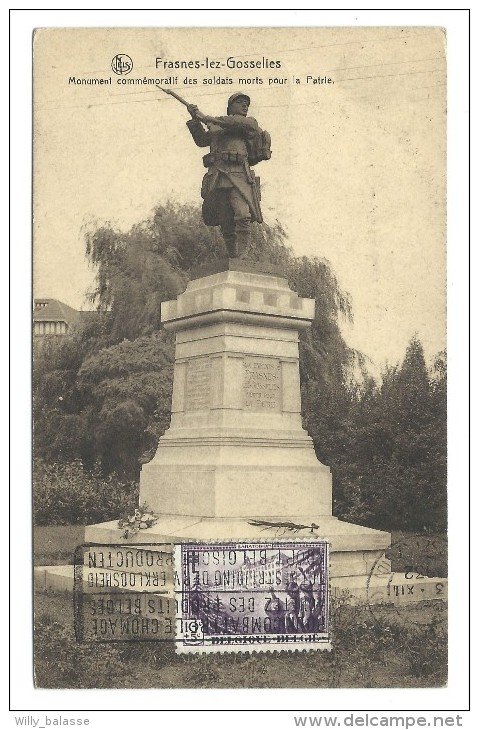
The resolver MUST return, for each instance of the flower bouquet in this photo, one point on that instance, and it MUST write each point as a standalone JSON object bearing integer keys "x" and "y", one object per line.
{"x": 141, "y": 519}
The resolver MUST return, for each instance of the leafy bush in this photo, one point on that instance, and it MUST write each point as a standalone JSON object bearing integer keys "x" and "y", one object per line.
{"x": 66, "y": 494}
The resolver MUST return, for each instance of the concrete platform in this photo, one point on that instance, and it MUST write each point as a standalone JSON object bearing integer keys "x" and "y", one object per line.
{"x": 342, "y": 536}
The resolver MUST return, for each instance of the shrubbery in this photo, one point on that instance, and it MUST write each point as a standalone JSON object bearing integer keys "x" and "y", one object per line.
{"x": 66, "y": 494}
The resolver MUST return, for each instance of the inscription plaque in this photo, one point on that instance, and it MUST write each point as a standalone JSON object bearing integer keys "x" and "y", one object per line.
{"x": 198, "y": 384}
{"x": 261, "y": 384}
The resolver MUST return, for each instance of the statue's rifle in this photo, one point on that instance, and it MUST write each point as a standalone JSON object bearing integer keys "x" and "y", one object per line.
{"x": 177, "y": 97}
{"x": 174, "y": 95}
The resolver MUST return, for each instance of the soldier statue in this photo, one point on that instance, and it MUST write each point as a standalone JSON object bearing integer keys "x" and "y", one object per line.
{"x": 230, "y": 190}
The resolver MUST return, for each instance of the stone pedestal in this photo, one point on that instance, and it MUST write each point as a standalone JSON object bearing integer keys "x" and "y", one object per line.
{"x": 236, "y": 446}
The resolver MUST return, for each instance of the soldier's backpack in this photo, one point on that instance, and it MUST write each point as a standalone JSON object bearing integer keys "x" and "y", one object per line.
{"x": 259, "y": 147}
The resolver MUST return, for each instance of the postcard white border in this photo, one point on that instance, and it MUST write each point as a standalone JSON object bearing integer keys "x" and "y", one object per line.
{"x": 24, "y": 697}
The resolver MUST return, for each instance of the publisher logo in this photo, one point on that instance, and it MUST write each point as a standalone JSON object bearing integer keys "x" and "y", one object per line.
{"x": 122, "y": 64}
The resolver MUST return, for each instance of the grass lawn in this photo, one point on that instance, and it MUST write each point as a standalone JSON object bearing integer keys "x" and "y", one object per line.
{"x": 56, "y": 545}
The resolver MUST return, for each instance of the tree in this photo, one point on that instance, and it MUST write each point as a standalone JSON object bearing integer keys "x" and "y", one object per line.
{"x": 396, "y": 462}
{"x": 126, "y": 392}
{"x": 135, "y": 273}
{"x": 149, "y": 264}
{"x": 108, "y": 408}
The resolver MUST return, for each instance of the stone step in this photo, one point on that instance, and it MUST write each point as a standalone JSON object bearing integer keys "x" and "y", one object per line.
{"x": 389, "y": 588}
{"x": 55, "y": 578}
{"x": 60, "y": 579}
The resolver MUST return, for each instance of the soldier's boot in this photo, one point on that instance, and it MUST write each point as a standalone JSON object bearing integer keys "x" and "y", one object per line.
{"x": 230, "y": 241}
{"x": 243, "y": 237}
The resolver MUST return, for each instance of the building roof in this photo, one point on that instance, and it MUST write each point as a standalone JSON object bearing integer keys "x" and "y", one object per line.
{"x": 51, "y": 310}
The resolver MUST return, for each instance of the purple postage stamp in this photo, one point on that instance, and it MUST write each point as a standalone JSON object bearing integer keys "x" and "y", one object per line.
{"x": 264, "y": 596}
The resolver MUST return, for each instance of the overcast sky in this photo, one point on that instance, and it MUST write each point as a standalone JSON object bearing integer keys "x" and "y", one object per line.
{"x": 357, "y": 174}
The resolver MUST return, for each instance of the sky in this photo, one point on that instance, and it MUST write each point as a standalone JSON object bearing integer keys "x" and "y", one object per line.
{"x": 357, "y": 175}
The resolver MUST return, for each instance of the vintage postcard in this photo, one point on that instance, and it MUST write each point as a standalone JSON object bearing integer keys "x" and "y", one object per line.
{"x": 239, "y": 336}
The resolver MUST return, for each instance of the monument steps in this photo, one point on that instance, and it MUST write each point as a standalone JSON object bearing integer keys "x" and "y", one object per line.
{"x": 391, "y": 588}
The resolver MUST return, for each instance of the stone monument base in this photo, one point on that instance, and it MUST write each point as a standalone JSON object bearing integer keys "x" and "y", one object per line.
{"x": 359, "y": 569}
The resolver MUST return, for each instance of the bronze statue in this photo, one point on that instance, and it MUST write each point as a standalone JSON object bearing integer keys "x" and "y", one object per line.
{"x": 230, "y": 190}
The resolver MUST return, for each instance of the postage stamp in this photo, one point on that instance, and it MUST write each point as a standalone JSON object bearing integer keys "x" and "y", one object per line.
{"x": 252, "y": 596}
{"x": 204, "y": 596}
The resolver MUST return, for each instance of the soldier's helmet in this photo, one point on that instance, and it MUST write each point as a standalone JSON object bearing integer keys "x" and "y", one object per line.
{"x": 233, "y": 97}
